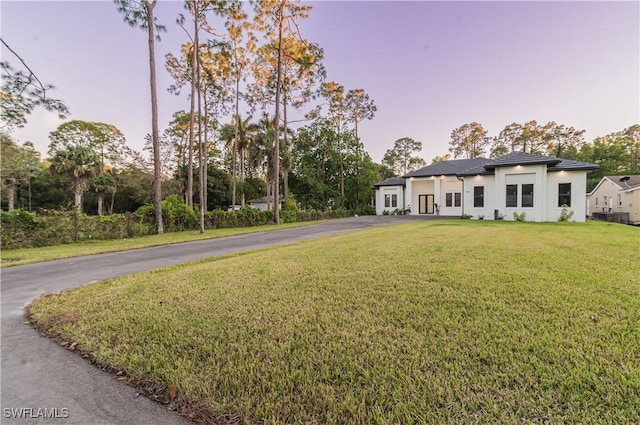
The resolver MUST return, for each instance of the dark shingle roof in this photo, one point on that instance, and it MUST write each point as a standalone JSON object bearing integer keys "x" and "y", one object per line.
{"x": 475, "y": 171}
{"x": 484, "y": 166}
{"x": 448, "y": 168}
{"x": 393, "y": 181}
{"x": 571, "y": 165}
{"x": 522, "y": 158}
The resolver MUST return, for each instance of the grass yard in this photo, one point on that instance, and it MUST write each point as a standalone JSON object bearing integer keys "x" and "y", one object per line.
{"x": 19, "y": 257}
{"x": 426, "y": 322}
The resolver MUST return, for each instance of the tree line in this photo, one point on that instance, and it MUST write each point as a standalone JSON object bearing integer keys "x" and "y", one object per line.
{"x": 615, "y": 153}
{"x": 256, "y": 60}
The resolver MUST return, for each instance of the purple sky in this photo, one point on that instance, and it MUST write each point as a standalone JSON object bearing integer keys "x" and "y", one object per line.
{"x": 429, "y": 66}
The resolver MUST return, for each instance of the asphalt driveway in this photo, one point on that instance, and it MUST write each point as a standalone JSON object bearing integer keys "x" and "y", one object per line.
{"x": 44, "y": 383}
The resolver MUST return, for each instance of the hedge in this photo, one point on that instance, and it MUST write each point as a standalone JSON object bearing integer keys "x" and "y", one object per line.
{"x": 22, "y": 229}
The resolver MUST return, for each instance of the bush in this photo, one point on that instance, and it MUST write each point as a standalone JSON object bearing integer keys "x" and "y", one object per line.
{"x": 519, "y": 217}
{"x": 565, "y": 215}
{"x": 17, "y": 227}
{"x": 21, "y": 229}
{"x": 289, "y": 213}
{"x": 178, "y": 216}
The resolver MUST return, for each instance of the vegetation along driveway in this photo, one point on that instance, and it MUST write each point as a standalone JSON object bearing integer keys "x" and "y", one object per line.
{"x": 43, "y": 380}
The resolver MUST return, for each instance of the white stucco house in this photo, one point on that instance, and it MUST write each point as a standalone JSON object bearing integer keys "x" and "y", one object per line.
{"x": 492, "y": 188}
{"x": 390, "y": 195}
{"x": 616, "y": 194}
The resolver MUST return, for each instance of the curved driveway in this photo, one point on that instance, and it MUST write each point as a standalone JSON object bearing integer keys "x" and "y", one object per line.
{"x": 39, "y": 374}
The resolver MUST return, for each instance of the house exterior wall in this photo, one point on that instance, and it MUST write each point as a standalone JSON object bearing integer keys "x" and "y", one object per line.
{"x": 604, "y": 198}
{"x": 633, "y": 204}
{"x": 578, "y": 180}
{"x": 538, "y": 194}
{"x": 381, "y": 191}
{"x": 450, "y": 184}
{"x": 545, "y": 193}
{"x": 598, "y": 200}
{"x": 489, "y": 198}
{"x": 521, "y": 175}
{"x": 419, "y": 186}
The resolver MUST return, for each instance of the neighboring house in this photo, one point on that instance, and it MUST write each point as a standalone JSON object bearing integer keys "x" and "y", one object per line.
{"x": 616, "y": 194}
{"x": 496, "y": 188}
{"x": 390, "y": 195}
{"x": 264, "y": 203}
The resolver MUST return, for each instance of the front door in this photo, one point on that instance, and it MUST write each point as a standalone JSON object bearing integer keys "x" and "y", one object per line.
{"x": 425, "y": 204}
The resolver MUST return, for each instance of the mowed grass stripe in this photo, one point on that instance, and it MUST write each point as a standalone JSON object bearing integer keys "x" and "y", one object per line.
{"x": 426, "y": 322}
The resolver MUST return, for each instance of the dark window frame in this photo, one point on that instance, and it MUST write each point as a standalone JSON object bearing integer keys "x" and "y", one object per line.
{"x": 511, "y": 200}
{"x": 457, "y": 199}
{"x": 564, "y": 196}
{"x": 448, "y": 199}
{"x": 394, "y": 200}
{"x": 387, "y": 200}
{"x": 527, "y": 198}
{"x": 478, "y": 197}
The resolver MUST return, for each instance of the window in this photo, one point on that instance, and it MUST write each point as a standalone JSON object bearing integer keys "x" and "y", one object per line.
{"x": 564, "y": 194}
{"x": 387, "y": 201}
{"x": 457, "y": 199}
{"x": 512, "y": 195}
{"x": 596, "y": 201}
{"x": 527, "y": 195}
{"x": 449, "y": 200}
{"x": 478, "y": 197}
{"x": 394, "y": 201}
{"x": 619, "y": 199}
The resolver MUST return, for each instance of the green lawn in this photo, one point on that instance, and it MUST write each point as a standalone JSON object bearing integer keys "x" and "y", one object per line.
{"x": 426, "y": 322}
{"x": 18, "y": 257}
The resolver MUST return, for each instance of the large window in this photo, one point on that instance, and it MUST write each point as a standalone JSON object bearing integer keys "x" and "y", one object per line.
{"x": 564, "y": 194}
{"x": 391, "y": 201}
{"x": 478, "y": 197}
{"x": 453, "y": 199}
{"x": 512, "y": 195}
{"x": 527, "y": 195}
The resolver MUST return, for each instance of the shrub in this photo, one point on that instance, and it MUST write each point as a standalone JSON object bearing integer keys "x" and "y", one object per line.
{"x": 178, "y": 215}
{"x": 369, "y": 210}
{"x": 289, "y": 213}
{"x": 565, "y": 214}
{"x": 17, "y": 227}
{"x": 519, "y": 217}
{"x": 465, "y": 217}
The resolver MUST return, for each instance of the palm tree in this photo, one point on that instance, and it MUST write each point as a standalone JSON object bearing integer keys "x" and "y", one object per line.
{"x": 101, "y": 184}
{"x": 246, "y": 133}
{"x": 78, "y": 162}
{"x": 262, "y": 150}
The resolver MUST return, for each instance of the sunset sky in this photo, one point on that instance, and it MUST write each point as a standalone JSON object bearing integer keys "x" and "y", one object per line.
{"x": 429, "y": 66}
